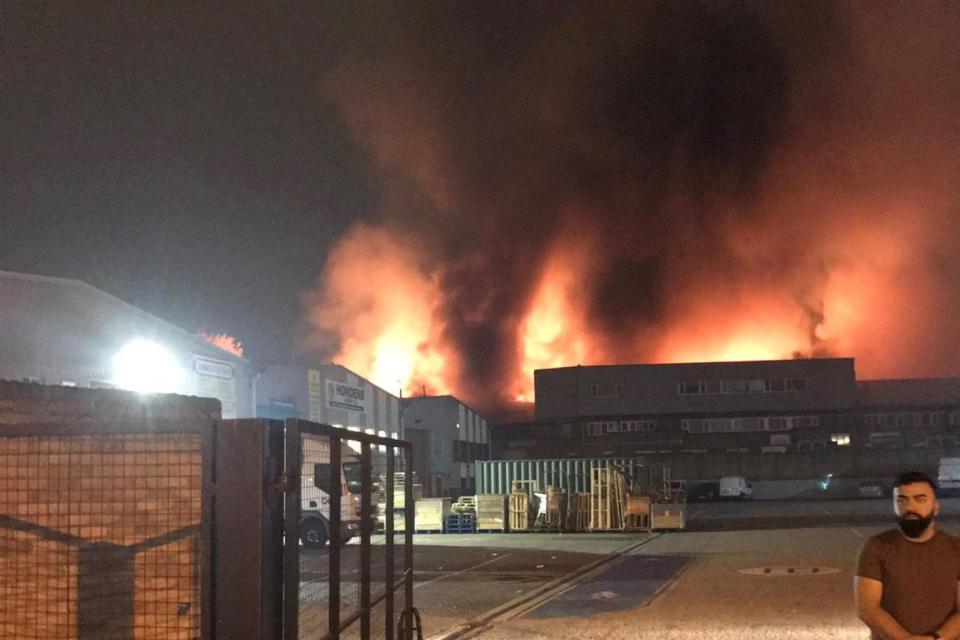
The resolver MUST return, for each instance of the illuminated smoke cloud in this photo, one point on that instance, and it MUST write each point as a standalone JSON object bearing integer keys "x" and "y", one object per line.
{"x": 650, "y": 183}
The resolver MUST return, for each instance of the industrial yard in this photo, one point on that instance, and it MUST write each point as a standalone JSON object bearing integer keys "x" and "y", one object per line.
{"x": 751, "y": 570}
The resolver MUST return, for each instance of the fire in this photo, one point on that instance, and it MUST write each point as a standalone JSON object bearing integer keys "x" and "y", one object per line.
{"x": 225, "y": 342}
{"x": 380, "y": 305}
{"x": 759, "y": 327}
{"x": 553, "y": 333}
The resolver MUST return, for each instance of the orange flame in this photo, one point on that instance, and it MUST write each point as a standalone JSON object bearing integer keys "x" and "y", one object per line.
{"x": 224, "y": 342}
{"x": 380, "y": 305}
{"x": 553, "y": 333}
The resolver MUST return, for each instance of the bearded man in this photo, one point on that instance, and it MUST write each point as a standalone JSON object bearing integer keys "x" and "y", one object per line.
{"x": 907, "y": 580}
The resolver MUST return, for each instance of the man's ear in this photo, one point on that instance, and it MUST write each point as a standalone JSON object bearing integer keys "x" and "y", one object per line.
{"x": 936, "y": 507}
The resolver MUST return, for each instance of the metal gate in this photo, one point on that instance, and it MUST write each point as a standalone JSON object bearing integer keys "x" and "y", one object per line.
{"x": 336, "y": 583}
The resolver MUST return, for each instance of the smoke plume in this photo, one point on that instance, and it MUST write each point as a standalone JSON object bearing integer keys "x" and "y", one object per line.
{"x": 651, "y": 182}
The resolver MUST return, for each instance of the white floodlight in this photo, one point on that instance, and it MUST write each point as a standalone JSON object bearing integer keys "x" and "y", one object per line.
{"x": 147, "y": 367}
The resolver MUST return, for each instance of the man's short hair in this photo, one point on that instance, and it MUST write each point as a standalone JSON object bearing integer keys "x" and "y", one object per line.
{"x": 911, "y": 477}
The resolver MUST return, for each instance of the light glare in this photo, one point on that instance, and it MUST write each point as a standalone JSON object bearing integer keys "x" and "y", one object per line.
{"x": 145, "y": 366}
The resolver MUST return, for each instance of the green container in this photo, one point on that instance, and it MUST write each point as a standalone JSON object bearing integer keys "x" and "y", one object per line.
{"x": 570, "y": 474}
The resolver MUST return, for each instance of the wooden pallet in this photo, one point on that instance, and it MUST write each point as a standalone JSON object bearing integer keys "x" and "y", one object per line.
{"x": 607, "y": 499}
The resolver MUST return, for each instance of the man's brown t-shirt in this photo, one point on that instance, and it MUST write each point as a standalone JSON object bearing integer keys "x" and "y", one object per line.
{"x": 919, "y": 578}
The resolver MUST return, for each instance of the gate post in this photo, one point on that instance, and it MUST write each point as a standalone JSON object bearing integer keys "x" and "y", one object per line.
{"x": 247, "y": 533}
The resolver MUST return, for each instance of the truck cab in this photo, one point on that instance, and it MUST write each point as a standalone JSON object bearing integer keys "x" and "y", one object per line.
{"x": 315, "y": 502}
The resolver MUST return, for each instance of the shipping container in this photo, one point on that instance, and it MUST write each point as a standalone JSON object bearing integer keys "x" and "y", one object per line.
{"x": 570, "y": 474}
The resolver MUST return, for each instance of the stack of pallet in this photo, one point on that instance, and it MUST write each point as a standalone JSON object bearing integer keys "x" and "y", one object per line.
{"x": 491, "y": 512}
{"x": 523, "y": 509}
{"x": 460, "y": 523}
{"x": 465, "y": 505}
{"x": 578, "y": 512}
{"x": 637, "y": 515}
{"x": 607, "y": 499}
{"x": 399, "y": 500}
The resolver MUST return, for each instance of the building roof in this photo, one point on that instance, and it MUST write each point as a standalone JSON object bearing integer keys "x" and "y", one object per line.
{"x": 720, "y": 364}
{"x": 46, "y": 293}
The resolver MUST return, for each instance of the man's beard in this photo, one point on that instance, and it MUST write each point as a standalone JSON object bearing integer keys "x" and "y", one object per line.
{"x": 914, "y": 527}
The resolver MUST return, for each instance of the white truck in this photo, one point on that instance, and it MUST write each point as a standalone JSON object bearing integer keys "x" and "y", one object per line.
{"x": 735, "y": 487}
{"x": 315, "y": 497}
{"x": 948, "y": 476}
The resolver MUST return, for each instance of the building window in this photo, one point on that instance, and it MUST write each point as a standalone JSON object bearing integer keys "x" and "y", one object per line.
{"x": 637, "y": 426}
{"x": 605, "y": 390}
{"x": 795, "y": 384}
{"x": 690, "y": 388}
{"x": 840, "y": 439}
{"x": 733, "y": 386}
{"x": 595, "y": 428}
{"x": 775, "y": 384}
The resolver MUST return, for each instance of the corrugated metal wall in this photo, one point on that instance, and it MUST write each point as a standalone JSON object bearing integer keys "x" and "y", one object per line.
{"x": 570, "y": 474}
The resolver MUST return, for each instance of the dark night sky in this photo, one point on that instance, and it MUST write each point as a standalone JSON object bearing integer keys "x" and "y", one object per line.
{"x": 202, "y": 162}
{"x": 180, "y": 158}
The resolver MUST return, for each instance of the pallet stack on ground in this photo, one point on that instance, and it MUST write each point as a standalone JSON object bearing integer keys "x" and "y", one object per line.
{"x": 637, "y": 515}
{"x": 431, "y": 514}
{"x": 460, "y": 523}
{"x": 578, "y": 512}
{"x": 523, "y": 505}
{"x": 466, "y": 505}
{"x": 491, "y": 512}
{"x": 607, "y": 500}
{"x": 399, "y": 500}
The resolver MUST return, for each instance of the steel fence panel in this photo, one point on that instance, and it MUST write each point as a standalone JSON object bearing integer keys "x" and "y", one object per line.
{"x": 102, "y": 535}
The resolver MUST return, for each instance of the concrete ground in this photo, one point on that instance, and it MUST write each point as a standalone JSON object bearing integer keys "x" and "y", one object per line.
{"x": 711, "y": 598}
{"x": 489, "y": 585}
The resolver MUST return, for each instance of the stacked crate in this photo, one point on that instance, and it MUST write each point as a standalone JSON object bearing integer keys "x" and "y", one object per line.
{"x": 491, "y": 512}
{"x": 460, "y": 523}
{"x": 399, "y": 500}
{"x": 431, "y": 514}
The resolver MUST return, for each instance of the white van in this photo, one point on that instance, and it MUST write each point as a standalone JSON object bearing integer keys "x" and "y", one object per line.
{"x": 735, "y": 487}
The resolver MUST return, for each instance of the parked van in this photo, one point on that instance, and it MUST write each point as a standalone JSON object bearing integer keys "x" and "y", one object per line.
{"x": 735, "y": 487}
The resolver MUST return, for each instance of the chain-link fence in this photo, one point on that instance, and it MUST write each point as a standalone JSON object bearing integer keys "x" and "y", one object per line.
{"x": 100, "y": 536}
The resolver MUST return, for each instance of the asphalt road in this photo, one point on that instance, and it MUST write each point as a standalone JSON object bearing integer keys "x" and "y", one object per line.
{"x": 752, "y": 570}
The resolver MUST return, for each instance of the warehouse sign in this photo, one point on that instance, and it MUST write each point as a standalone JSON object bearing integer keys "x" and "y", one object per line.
{"x": 346, "y": 397}
{"x": 215, "y": 379}
{"x": 212, "y": 368}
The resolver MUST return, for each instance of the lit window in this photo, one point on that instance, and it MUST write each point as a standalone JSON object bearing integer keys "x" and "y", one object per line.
{"x": 840, "y": 439}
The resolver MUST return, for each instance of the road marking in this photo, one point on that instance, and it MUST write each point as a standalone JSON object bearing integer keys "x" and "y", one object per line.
{"x": 857, "y": 533}
{"x": 788, "y": 571}
{"x": 456, "y": 573}
{"x": 527, "y": 601}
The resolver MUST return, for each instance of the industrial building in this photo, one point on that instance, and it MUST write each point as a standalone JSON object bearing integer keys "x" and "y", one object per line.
{"x": 329, "y": 394}
{"x": 448, "y": 438}
{"x": 58, "y": 331}
{"x": 760, "y": 407}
